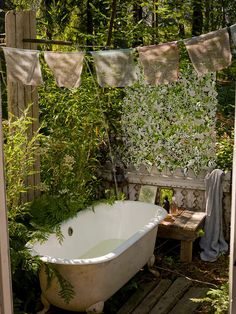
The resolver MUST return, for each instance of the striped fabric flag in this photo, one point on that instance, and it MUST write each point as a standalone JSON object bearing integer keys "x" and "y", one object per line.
{"x": 210, "y": 52}
{"x": 66, "y": 67}
{"x": 160, "y": 63}
{"x": 115, "y": 68}
{"x": 23, "y": 66}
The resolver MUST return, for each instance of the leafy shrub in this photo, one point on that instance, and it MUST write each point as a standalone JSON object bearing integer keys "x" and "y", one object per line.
{"x": 19, "y": 153}
{"x": 224, "y": 151}
{"x": 74, "y": 145}
{"x": 218, "y": 299}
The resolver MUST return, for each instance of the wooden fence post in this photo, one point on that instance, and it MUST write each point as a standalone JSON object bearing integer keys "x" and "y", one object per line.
{"x": 20, "y": 25}
{"x": 232, "y": 264}
{"x": 5, "y": 267}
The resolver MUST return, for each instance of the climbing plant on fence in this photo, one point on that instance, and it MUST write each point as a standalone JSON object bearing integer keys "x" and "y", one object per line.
{"x": 170, "y": 125}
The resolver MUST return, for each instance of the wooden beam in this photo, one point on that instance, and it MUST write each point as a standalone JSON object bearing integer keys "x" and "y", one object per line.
{"x": 112, "y": 19}
{"x": 6, "y": 306}
{"x": 232, "y": 265}
{"x": 20, "y": 25}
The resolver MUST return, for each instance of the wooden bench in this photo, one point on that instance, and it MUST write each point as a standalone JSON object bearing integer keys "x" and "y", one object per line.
{"x": 185, "y": 228}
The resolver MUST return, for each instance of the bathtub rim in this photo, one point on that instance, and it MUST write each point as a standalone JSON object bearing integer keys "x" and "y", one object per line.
{"x": 162, "y": 213}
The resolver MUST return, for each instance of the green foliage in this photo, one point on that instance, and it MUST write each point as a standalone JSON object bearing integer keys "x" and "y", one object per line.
{"x": 25, "y": 4}
{"x": 48, "y": 211}
{"x": 218, "y": 299}
{"x": 170, "y": 260}
{"x": 166, "y": 193}
{"x": 19, "y": 157}
{"x": 75, "y": 133}
{"x": 200, "y": 233}
{"x": 66, "y": 291}
{"x": 76, "y": 121}
{"x": 224, "y": 151}
{"x": 136, "y": 21}
{"x": 225, "y": 124}
{"x": 19, "y": 153}
{"x": 170, "y": 125}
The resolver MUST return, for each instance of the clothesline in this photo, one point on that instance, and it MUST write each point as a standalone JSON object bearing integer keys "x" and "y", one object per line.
{"x": 70, "y": 43}
{"x": 60, "y": 42}
{"x": 208, "y": 52}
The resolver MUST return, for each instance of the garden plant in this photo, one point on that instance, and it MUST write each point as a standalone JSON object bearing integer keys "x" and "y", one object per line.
{"x": 82, "y": 128}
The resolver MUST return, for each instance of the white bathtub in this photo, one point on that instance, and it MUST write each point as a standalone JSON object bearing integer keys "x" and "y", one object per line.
{"x": 102, "y": 249}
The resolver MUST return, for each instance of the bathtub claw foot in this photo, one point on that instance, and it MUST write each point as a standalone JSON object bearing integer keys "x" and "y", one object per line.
{"x": 150, "y": 265}
{"x": 96, "y": 308}
{"x": 154, "y": 272}
{"x": 46, "y": 305}
{"x": 151, "y": 261}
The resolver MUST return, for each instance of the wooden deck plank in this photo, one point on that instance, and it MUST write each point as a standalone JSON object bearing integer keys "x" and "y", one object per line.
{"x": 184, "y": 227}
{"x": 171, "y": 297}
{"x": 153, "y": 297}
{"x": 186, "y": 305}
{"x": 137, "y": 298}
{"x": 182, "y": 220}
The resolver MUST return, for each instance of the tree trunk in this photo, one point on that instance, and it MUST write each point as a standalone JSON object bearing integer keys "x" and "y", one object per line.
{"x": 181, "y": 30}
{"x": 224, "y": 18}
{"x": 138, "y": 15}
{"x": 46, "y": 7}
{"x": 89, "y": 22}
{"x": 111, "y": 24}
{"x": 155, "y": 22}
{"x": 207, "y": 16}
{"x": 197, "y": 20}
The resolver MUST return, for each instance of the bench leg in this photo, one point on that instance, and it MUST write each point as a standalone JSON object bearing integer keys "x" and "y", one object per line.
{"x": 186, "y": 251}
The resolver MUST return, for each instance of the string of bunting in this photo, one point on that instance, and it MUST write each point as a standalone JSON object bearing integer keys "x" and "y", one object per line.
{"x": 116, "y": 68}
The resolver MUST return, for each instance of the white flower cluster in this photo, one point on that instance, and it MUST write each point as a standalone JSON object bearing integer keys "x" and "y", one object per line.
{"x": 171, "y": 125}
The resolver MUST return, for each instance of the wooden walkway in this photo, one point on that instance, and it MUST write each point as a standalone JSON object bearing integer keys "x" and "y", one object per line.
{"x": 164, "y": 297}
{"x": 161, "y": 296}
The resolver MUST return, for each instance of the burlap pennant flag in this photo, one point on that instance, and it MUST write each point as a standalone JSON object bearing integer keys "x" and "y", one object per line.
{"x": 23, "y": 66}
{"x": 115, "y": 68}
{"x": 66, "y": 67}
{"x": 210, "y": 52}
{"x": 160, "y": 63}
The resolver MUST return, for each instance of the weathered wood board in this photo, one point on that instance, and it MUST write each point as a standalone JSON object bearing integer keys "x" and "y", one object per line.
{"x": 153, "y": 297}
{"x": 20, "y": 25}
{"x": 185, "y": 304}
{"x": 170, "y": 298}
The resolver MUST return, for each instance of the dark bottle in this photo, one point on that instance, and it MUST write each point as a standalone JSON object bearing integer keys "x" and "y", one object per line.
{"x": 166, "y": 204}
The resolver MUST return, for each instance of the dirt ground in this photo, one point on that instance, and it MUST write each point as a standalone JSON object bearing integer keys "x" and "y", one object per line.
{"x": 167, "y": 257}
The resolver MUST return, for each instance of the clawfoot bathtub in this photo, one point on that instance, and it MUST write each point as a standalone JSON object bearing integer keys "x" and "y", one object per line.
{"x": 103, "y": 248}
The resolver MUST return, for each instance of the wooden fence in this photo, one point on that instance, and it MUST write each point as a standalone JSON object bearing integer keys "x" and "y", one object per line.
{"x": 20, "y": 26}
{"x": 188, "y": 188}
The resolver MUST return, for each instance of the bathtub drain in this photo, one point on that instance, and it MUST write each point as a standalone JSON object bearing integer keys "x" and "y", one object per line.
{"x": 70, "y": 231}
